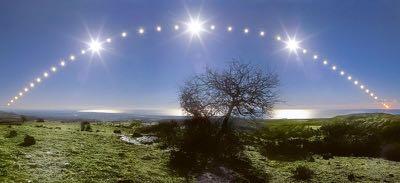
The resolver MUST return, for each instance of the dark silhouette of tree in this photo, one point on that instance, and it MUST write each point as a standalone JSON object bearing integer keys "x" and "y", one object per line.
{"x": 239, "y": 90}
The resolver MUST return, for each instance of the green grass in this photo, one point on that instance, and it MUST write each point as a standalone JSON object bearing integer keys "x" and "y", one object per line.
{"x": 63, "y": 153}
{"x": 68, "y": 155}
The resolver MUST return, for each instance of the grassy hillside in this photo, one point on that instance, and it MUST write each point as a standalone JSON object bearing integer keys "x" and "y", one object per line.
{"x": 63, "y": 153}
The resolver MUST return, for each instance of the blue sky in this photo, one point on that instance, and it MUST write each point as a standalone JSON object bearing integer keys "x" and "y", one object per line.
{"x": 145, "y": 72}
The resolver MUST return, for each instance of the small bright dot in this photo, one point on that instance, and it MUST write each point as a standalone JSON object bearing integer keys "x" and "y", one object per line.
{"x": 372, "y": 94}
{"x": 62, "y": 63}
{"x": 349, "y": 78}
{"x": 176, "y": 27}
{"x": 246, "y": 30}
{"x": 38, "y": 80}
{"x": 212, "y": 27}
{"x": 72, "y": 57}
{"x": 366, "y": 91}
{"x": 362, "y": 86}
{"x": 95, "y": 46}
{"x": 83, "y": 52}
{"x": 20, "y": 93}
{"x": 304, "y": 51}
{"x": 32, "y": 85}
{"x": 54, "y": 69}
{"x": 12, "y": 101}
{"x": 315, "y": 57}
{"x": 141, "y": 31}
{"x": 376, "y": 98}
{"x": 262, "y": 33}
{"x": 16, "y": 98}
{"x": 108, "y": 40}
{"x": 325, "y": 62}
{"x": 124, "y": 34}
{"x": 342, "y": 73}
{"x": 8, "y": 104}
{"x": 356, "y": 82}
{"x": 334, "y": 68}
{"x": 158, "y": 28}
{"x": 46, "y": 74}
{"x": 230, "y": 28}
{"x": 26, "y": 89}
{"x": 278, "y": 38}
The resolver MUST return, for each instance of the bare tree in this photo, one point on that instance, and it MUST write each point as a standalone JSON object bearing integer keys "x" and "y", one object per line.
{"x": 240, "y": 90}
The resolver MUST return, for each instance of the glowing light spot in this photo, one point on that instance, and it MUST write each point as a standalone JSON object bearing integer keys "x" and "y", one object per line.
{"x": 315, "y": 57}
{"x": 108, "y": 40}
{"x": 124, "y": 34}
{"x": 230, "y": 29}
{"x": 376, "y": 98}
{"x": 372, "y": 94}
{"x": 32, "y": 85}
{"x": 158, "y": 29}
{"x": 334, "y": 68}
{"x": 212, "y": 27}
{"x": 278, "y": 38}
{"x": 16, "y": 98}
{"x": 349, "y": 77}
{"x": 20, "y": 93}
{"x": 95, "y": 46}
{"x": 26, "y": 89}
{"x": 141, "y": 31}
{"x": 356, "y": 82}
{"x": 83, "y": 52}
{"x": 46, "y": 74}
{"x": 195, "y": 27}
{"x": 54, "y": 69}
{"x": 362, "y": 86}
{"x": 246, "y": 30}
{"x": 8, "y": 104}
{"x": 176, "y": 27}
{"x": 62, "y": 63}
{"x": 262, "y": 33}
{"x": 304, "y": 51}
{"x": 325, "y": 62}
{"x": 342, "y": 73}
{"x": 366, "y": 91}
{"x": 12, "y": 101}
{"x": 72, "y": 57}
{"x": 38, "y": 80}
{"x": 292, "y": 44}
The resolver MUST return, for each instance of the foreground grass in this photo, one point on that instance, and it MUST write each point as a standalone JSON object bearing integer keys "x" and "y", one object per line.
{"x": 62, "y": 153}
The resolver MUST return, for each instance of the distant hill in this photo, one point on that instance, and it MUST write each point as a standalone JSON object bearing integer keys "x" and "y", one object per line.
{"x": 6, "y": 118}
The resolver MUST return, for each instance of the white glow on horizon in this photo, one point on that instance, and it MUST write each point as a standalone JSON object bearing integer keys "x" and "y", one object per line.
{"x": 110, "y": 111}
{"x": 292, "y": 114}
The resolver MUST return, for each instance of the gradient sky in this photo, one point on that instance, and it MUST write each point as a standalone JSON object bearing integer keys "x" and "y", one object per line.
{"x": 145, "y": 72}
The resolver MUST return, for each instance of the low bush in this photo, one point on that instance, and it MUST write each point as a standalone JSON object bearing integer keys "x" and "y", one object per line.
{"x": 117, "y": 131}
{"x": 40, "y": 120}
{"x": 302, "y": 173}
{"x": 28, "y": 141}
{"x": 11, "y": 134}
{"x": 85, "y": 126}
{"x": 391, "y": 152}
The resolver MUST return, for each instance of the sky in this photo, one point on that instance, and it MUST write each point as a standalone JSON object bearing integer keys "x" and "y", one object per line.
{"x": 145, "y": 72}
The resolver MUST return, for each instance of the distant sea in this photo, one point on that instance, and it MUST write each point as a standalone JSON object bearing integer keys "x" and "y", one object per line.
{"x": 151, "y": 116}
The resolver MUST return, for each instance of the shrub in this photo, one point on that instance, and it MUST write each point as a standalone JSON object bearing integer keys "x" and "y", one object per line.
{"x": 85, "y": 126}
{"x": 11, "y": 134}
{"x": 169, "y": 133}
{"x": 302, "y": 173}
{"x": 351, "y": 177}
{"x": 28, "y": 141}
{"x": 40, "y": 120}
{"x": 391, "y": 152}
{"x": 117, "y": 131}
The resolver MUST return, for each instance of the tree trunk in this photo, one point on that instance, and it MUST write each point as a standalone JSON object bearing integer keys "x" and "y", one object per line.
{"x": 225, "y": 122}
